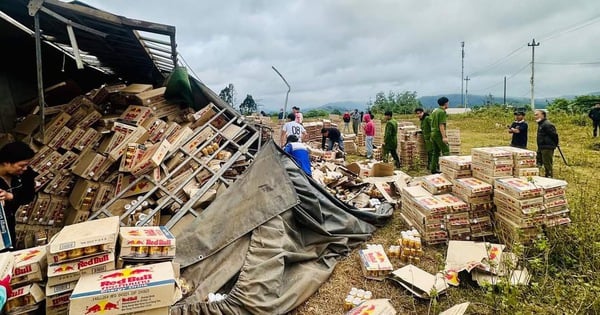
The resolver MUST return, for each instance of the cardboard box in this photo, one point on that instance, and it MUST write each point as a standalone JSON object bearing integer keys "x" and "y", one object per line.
{"x": 158, "y": 240}
{"x": 419, "y": 282}
{"x": 60, "y": 138}
{"x": 151, "y": 158}
{"x": 32, "y": 294}
{"x": 29, "y": 265}
{"x": 83, "y": 194}
{"x": 81, "y": 264}
{"x": 374, "y": 307}
{"x": 88, "y": 160}
{"x": 89, "y": 233}
{"x": 518, "y": 188}
{"x": 53, "y": 127}
{"x": 7, "y": 263}
{"x": 375, "y": 263}
{"x": 136, "y": 115}
{"x": 148, "y": 97}
{"x": 125, "y": 290}
{"x": 436, "y": 184}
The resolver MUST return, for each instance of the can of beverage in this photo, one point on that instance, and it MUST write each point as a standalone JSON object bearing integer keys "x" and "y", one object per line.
{"x": 165, "y": 251}
{"x": 141, "y": 251}
{"x": 155, "y": 251}
{"x": 75, "y": 253}
{"x": 90, "y": 250}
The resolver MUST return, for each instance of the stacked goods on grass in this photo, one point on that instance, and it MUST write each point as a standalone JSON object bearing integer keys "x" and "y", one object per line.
{"x": 409, "y": 153}
{"x": 519, "y": 209}
{"x": 477, "y": 194}
{"x": 490, "y": 163}
{"x": 453, "y": 141}
{"x": 524, "y": 162}
{"x": 456, "y": 166}
{"x": 556, "y": 206}
{"x": 421, "y": 210}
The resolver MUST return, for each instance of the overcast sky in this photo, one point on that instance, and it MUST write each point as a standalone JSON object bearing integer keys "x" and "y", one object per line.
{"x": 348, "y": 50}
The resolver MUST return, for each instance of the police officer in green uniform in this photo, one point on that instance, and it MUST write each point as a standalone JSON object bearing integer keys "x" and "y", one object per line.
{"x": 390, "y": 139}
{"x": 439, "y": 138}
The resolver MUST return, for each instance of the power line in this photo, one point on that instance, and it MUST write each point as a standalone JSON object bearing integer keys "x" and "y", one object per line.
{"x": 498, "y": 62}
{"x": 572, "y": 28}
{"x": 509, "y": 77}
{"x": 569, "y": 63}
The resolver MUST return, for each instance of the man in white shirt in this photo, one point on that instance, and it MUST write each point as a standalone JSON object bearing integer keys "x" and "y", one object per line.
{"x": 299, "y": 116}
{"x": 292, "y": 128}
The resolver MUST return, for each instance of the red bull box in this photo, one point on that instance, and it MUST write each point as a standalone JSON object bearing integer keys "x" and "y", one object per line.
{"x": 30, "y": 265}
{"x": 85, "y": 239}
{"x": 58, "y": 297}
{"x": 24, "y": 299}
{"x": 125, "y": 291}
{"x": 146, "y": 243}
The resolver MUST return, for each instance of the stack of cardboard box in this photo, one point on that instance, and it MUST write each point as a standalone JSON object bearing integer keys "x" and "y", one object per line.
{"x": 456, "y": 166}
{"x": 490, "y": 163}
{"x": 556, "y": 207}
{"x": 80, "y": 249}
{"x": 408, "y": 144}
{"x": 454, "y": 141}
{"x": 421, "y": 210}
{"x": 524, "y": 162}
{"x": 27, "y": 282}
{"x": 519, "y": 209}
{"x": 457, "y": 217}
{"x": 478, "y": 196}
{"x": 148, "y": 289}
{"x": 436, "y": 184}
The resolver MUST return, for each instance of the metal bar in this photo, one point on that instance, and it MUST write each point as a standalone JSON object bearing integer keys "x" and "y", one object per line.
{"x": 40, "y": 78}
{"x": 179, "y": 214}
{"x": 151, "y": 46}
{"x": 153, "y": 40}
{"x": 74, "y": 46}
{"x": 156, "y": 53}
{"x": 74, "y": 24}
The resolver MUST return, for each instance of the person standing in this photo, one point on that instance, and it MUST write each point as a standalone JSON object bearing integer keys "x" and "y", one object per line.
{"x": 346, "y": 119}
{"x": 595, "y": 117}
{"x": 330, "y": 137}
{"x": 355, "y": 121}
{"x": 292, "y": 128}
{"x": 439, "y": 138}
{"x": 299, "y": 152}
{"x": 518, "y": 129}
{"x": 426, "y": 132}
{"x": 280, "y": 116}
{"x": 17, "y": 181}
{"x": 547, "y": 142}
{"x": 369, "y": 129}
{"x": 298, "y": 114}
{"x": 390, "y": 139}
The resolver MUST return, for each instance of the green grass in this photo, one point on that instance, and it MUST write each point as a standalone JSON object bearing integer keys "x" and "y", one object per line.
{"x": 565, "y": 263}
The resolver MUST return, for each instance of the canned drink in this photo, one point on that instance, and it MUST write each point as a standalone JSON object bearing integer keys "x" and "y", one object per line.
{"x": 90, "y": 250}
{"x": 75, "y": 253}
{"x": 165, "y": 251}
{"x": 62, "y": 255}
{"x": 141, "y": 251}
{"x": 155, "y": 251}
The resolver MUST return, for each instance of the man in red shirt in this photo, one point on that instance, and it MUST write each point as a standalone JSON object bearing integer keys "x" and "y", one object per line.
{"x": 369, "y": 129}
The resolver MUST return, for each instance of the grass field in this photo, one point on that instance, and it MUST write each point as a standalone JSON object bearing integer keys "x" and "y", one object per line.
{"x": 564, "y": 263}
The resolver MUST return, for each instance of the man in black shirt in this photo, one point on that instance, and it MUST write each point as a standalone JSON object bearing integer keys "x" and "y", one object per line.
{"x": 518, "y": 129}
{"x": 595, "y": 117}
{"x": 331, "y": 136}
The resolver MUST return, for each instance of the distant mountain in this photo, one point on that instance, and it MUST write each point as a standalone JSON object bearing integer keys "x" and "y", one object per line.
{"x": 341, "y": 106}
{"x": 478, "y": 100}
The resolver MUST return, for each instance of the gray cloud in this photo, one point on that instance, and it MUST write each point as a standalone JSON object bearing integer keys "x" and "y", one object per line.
{"x": 336, "y": 50}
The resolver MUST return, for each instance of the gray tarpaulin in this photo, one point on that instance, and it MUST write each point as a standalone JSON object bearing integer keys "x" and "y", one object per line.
{"x": 268, "y": 242}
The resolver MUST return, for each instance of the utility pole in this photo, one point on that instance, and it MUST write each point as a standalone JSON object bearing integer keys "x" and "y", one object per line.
{"x": 532, "y": 45}
{"x": 467, "y": 91}
{"x": 287, "y": 94}
{"x": 462, "y": 75}
{"x": 505, "y": 91}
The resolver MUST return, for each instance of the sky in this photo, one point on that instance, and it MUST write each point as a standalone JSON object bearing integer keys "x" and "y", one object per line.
{"x": 349, "y": 50}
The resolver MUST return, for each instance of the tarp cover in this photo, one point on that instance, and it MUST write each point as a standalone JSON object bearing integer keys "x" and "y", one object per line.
{"x": 269, "y": 241}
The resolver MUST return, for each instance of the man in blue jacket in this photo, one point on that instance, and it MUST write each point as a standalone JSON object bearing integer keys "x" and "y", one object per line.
{"x": 299, "y": 152}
